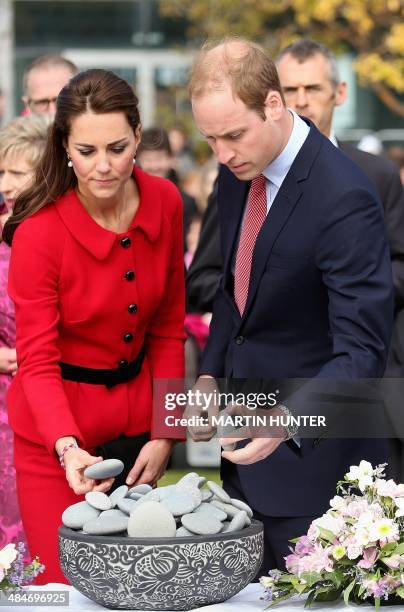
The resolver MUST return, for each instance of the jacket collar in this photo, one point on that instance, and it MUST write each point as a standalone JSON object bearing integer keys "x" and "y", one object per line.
{"x": 98, "y": 240}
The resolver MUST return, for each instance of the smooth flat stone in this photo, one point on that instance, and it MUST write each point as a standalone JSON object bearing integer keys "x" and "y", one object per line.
{"x": 77, "y": 515}
{"x": 242, "y": 506}
{"x": 211, "y": 510}
{"x": 135, "y": 496}
{"x": 104, "y": 469}
{"x": 206, "y": 495}
{"x": 98, "y": 500}
{"x": 201, "y": 524}
{"x": 192, "y": 490}
{"x": 166, "y": 491}
{"x": 153, "y": 495}
{"x": 237, "y": 522}
{"x": 229, "y": 447}
{"x": 179, "y": 503}
{"x": 219, "y": 492}
{"x": 118, "y": 494}
{"x": 192, "y": 477}
{"x": 182, "y": 532}
{"x": 151, "y": 520}
{"x": 225, "y": 526}
{"x": 140, "y": 488}
{"x": 113, "y": 512}
{"x": 126, "y": 505}
{"x": 227, "y": 508}
{"x": 106, "y": 525}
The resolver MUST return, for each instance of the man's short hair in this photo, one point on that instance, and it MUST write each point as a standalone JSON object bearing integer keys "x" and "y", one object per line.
{"x": 154, "y": 139}
{"x": 46, "y": 62}
{"x": 306, "y": 48}
{"x": 250, "y": 72}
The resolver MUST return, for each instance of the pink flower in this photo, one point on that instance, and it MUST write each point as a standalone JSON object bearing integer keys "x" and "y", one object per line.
{"x": 369, "y": 557}
{"x": 394, "y": 561}
{"x": 356, "y": 508}
{"x": 292, "y": 563}
{"x": 313, "y": 532}
{"x": 317, "y": 561}
{"x": 303, "y": 546}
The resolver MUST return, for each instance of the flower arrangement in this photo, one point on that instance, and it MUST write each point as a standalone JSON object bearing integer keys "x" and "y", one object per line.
{"x": 355, "y": 550}
{"x": 14, "y": 573}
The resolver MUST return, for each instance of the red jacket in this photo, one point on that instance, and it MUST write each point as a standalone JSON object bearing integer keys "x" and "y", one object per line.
{"x": 67, "y": 280}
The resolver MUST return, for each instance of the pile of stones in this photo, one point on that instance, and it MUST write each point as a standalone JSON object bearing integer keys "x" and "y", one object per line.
{"x": 192, "y": 507}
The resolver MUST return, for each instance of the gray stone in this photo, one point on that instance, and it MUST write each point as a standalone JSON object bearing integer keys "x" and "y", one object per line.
{"x": 77, "y": 515}
{"x": 191, "y": 489}
{"x": 227, "y": 508}
{"x": 135, "y": 496}
{"x": 166, "y": 491}
{"x": 106, "y": 525}
{"x": 104, "y": 469}
{"x": 206, "y": 495}
{"x": 118, "y": 494}
{"x": 182, "y": 532}
{"x": 126, "y": 505}
{"x": 113, "y": 512}
{"x": 238, "y": 522}
{"x": 179, "y": 503}
{"x": 140, "y": 488}
{"x": 219, "y": 492}
{"x": 99, "y": 500}
{"x": 153, "y": 495}
{"x": 211, "y": 510}
{"x": 229, "y": 447}
{"x": 151, "y": 520}
{"x": 201, "y": 523}
{"x": 201, "y": 482}
{"x": 242, "y": 506}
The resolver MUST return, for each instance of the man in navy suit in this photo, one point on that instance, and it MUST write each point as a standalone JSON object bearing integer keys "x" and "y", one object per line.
{"x": 306, "y": 288}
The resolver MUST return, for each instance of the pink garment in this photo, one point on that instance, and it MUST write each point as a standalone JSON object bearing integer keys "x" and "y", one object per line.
{"x": 10, "y": 522}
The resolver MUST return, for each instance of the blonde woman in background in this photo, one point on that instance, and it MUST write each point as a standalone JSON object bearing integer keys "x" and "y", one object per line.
{"x": 22, "y": 143}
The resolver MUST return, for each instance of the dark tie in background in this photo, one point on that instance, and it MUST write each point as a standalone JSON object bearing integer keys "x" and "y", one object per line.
{"x": 254, "y": 218}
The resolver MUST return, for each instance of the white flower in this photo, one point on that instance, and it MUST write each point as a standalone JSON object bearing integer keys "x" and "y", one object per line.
{"x": 362, "y": 536}
{"x": 363, "y": 473}
{"x": 399, "y": 501}
{"x": 335, "y": 525}
{"x": 338, "y": 503}
{"x": 354, "y": 551}
{"x": 7, "y": 555}
{"x": 266, "y": 582}
{"x": 384, "y": 529}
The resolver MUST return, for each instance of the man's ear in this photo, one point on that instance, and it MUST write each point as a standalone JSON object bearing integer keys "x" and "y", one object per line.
{"x": 340, "y": 93}
{"x": 273, "y": 105}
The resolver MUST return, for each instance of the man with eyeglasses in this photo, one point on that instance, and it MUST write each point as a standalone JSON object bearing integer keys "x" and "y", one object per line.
{"x": 42, "y": 82}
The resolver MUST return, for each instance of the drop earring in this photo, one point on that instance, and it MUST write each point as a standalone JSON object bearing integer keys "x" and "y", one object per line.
{"x": 69, "y": 161}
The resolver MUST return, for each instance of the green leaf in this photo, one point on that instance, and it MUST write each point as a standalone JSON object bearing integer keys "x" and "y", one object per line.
{"x": 399, "y": 549}
{"x": 311, "y": 578}
{"x": 309, "y": 599}
{"x": 347, "y": 592}
{"x": 377, "y": 603}
{"x": 327, "y": 594}
{"x": 326, "y": 534}
{"x": 400, "y": 592}
{"x": 300, "y": 588}
{"x": 389, "y": 548}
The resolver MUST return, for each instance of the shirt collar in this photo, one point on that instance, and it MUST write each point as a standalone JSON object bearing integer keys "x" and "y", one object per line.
{"x": 98, "y": 240}
{"x": 277, "y": 170}
{"x": 333, "y": 138}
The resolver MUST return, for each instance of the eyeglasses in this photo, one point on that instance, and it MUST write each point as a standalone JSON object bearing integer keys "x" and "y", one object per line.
{"x": 41, "y": 105}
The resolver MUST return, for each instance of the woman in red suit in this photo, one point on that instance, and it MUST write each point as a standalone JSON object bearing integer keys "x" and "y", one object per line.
{"x": 96, "y": 275}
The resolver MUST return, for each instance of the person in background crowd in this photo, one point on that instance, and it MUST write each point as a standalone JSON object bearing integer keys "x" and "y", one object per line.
{"x": 183, "y": 159}
{"x": 396, "y": 154}
{"x": 97, "y": 279}
{"x": 312, "y": 85}
{"x": 2, "y": 106}
{"x": 306, "y": 289}
{"x": 155, "y": 157}
{"x": 42, "y": 81}
{"x": 22, "y": 143}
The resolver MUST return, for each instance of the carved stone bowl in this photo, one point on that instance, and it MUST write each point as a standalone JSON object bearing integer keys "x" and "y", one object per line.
{"x": 161, "y": 573}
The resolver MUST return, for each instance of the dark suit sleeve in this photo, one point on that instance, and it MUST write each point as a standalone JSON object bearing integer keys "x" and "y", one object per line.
{"x": 206, "y": 269}
{"x": 357, "y": 273}
{"x": 393, "y": 201}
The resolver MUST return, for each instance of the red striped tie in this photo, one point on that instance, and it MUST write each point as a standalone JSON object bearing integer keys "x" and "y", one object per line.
{"x": 254, "y": 218}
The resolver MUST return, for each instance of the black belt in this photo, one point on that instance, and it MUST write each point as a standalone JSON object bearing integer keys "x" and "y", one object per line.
{"x": 98, "y": 376}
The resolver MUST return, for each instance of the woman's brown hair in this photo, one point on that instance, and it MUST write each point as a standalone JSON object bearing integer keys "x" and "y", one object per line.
{"x": 97, "y": 91}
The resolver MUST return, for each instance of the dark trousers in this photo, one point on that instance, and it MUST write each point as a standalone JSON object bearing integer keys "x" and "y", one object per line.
{"x": 277, "y": 530}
